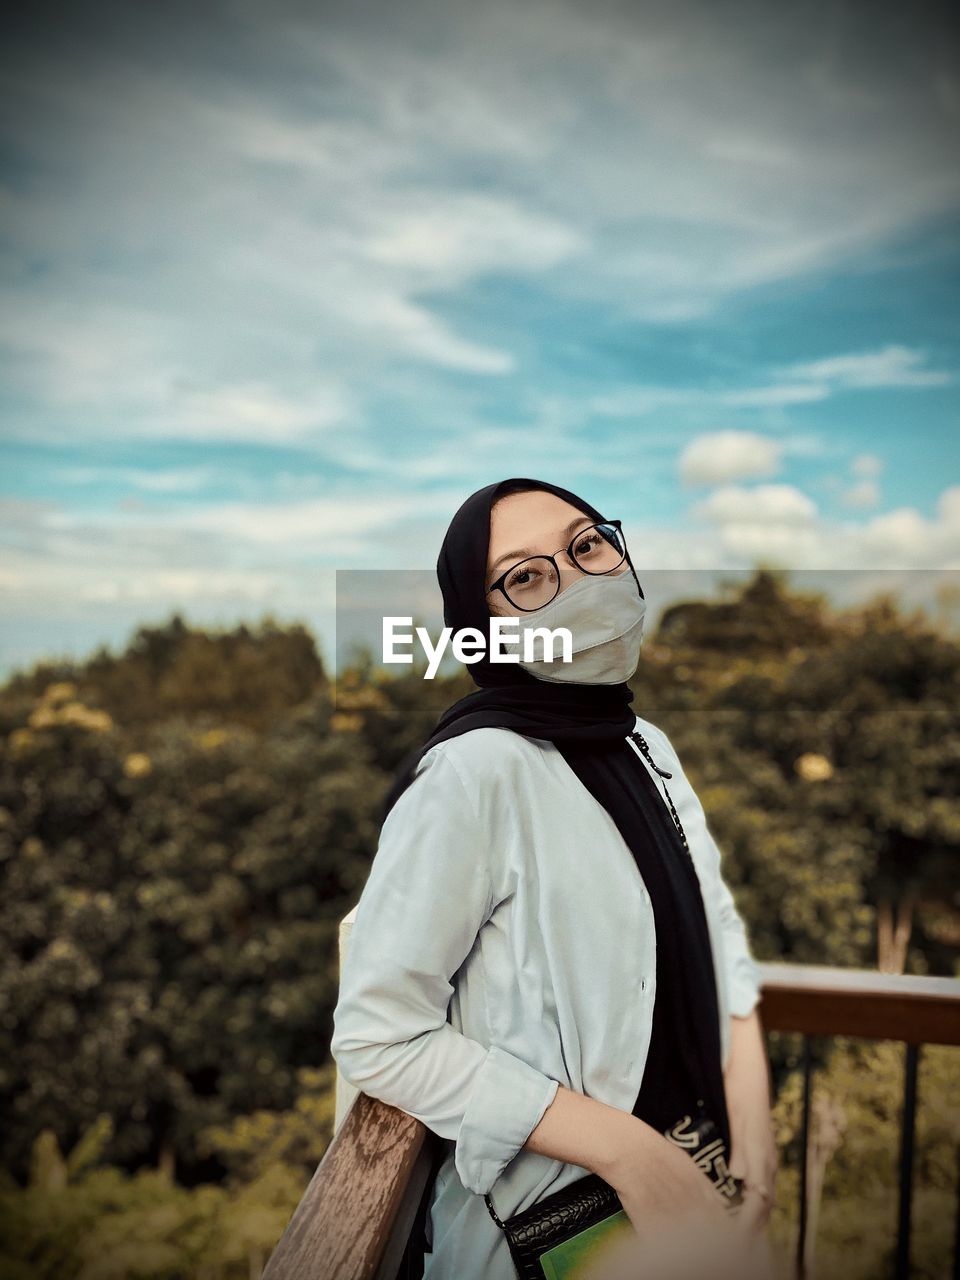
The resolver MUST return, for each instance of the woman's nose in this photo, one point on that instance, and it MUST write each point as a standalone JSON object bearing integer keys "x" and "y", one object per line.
{"x": 569, "y": 569}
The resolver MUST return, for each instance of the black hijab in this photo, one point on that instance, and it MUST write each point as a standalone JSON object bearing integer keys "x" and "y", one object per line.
{"x": 590, "y": 725}
{"x": 509, "y": 696}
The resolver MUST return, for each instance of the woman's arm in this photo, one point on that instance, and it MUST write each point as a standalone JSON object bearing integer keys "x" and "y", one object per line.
{"x": 748, "y": 1089}
{"x": 652, "y": 1175}
{"x": 428, "y": 893}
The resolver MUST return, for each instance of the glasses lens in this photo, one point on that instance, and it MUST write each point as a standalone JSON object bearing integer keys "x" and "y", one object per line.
{"x": 599, "y": 548}
{"x": 531, "y": 584}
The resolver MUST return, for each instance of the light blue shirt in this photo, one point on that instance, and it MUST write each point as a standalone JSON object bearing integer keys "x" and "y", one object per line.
{"x": 504, "y": 945}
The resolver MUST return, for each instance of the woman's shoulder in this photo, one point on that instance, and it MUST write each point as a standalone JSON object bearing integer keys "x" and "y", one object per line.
{"x": 481, "y": 752}
{"x": 493, "y": 751}
{"x": 484, "y": 767}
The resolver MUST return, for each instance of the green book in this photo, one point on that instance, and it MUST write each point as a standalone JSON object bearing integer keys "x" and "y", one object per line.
{"x": 568, "y": 1260}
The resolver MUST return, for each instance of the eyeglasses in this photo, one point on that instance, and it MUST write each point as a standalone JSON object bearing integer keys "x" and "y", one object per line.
{"x": 534, "y": 582}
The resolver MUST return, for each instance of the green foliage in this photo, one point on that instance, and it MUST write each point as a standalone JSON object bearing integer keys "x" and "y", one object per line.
{"x": 248, "y": 675}
{"x": 75, "y": 1221}
{"x": 250, "y": 1146}
{"x": 393, "y": 714}
{"x": 856, "y": 1231}
{"x": 183, "y": 826}
{"x": 169, "y": 911}
{"x": 829, "y": 769}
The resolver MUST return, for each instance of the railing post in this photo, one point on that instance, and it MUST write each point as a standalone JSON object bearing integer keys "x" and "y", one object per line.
{"x": 907, "y": 1126}
{"x": 801, "y": 1266}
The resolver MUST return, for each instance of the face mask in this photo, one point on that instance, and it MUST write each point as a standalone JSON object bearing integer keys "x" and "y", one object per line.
{"x": 604, "y": 615}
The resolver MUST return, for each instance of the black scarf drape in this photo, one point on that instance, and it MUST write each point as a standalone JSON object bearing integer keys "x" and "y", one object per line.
{"x": 590, "y": 724}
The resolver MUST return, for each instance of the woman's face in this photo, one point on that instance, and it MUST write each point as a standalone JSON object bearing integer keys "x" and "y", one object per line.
{"x": 530, "y": 524}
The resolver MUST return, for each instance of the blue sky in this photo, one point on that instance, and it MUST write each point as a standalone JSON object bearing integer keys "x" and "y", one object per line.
{"x": 284, "y": 284}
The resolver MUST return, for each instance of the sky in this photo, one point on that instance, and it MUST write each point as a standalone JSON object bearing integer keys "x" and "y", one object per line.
{"x": 284, "y": 284}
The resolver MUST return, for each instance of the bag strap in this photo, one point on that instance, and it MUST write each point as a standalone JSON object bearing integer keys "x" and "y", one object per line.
{"x": 493, "y": 1212}
{"x": 641, "y": 742}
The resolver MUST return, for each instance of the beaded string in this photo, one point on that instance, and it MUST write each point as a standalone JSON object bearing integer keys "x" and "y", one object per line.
{"x": 641, "y": 742}
{"x": 493, "y": 1212}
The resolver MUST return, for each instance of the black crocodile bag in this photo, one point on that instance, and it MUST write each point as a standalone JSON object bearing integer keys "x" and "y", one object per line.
{"x": 556, "y": 1237}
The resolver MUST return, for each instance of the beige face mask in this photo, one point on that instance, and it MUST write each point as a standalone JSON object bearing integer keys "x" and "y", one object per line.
{"x": 604, "y": 615}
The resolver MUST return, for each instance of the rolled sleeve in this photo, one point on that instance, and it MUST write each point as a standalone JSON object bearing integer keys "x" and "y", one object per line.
{"x": 744, "y": 983}
{"x": 743, "y": 972}
{"x": 506, "y": 1103}
{"x": 427, "y": 896}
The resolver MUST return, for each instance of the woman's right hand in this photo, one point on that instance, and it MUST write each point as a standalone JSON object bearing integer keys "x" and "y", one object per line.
{"x": 683, "y": 1225}
{"x": 651, "y": 1174}
{"x": 655, "y": 1179}
{"x": 673, "y": 1206}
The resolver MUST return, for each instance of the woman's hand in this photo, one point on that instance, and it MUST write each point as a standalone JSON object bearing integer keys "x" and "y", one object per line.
{"x": 753, "y": 1155}
{"x": 652, "y": 1174}
{"x": 670, "y": 1202}
{"x": 655, "y": 1178}
{"x": 682, "y": 1224}
{"x": 664, "y": 1193}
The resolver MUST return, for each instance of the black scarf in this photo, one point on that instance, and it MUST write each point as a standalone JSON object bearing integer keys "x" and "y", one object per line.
{"x": 590, "y": 724}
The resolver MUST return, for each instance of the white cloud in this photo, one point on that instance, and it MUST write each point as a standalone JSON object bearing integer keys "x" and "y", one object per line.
{"x": 318, "y": 222}
{"x": 299, "y": 253}
{"x": 324, "y": 529}
{"x": 775, "y": 396}
{"x": 162, "y": 480}
{"x": 332, "y": 529}
{"x": 764, "y": 505}
{"x": 780, "y": 523}
{"x": 904, "y": 536}
{"x": 257, "y": 412}
{"x": 891, "y": 366}
{"x": 112, "y": 371}
{"x": 867, "y": 465}
{"x": 806, "y": 384}
{"x": 729, "y": 455}
{"x": 448, "y": 237}
{"x": 420, "y": 334}
{"x": 864, "y": 494}
{"x": 85, "y": 575}
{"x": 645, "y": 398}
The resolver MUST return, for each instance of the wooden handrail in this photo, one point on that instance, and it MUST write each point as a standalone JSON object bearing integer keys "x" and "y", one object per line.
{"x": 355, "y": 1216}
{"x": 820, "y": 1000}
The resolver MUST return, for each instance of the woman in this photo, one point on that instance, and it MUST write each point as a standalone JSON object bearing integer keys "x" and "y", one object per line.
{"x": 511, "y": 980}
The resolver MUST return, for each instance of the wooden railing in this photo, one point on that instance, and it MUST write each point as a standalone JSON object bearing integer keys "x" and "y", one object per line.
{"x": 355, "y": 1217}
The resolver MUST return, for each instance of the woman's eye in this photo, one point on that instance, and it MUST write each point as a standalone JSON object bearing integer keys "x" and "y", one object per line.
{"x": 588, "y": 544}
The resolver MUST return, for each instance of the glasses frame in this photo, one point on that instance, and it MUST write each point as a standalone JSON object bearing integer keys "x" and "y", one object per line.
{"x": 568, "y": 551}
